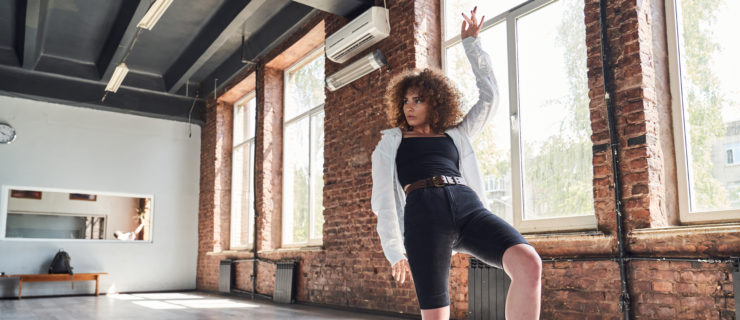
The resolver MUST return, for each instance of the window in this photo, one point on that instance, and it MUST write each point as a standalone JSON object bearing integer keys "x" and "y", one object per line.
{"x": 732, "y": 150}
{"x": 539, "y": 143}
{"x": 702, "y": 48}
{"x": 730, "y": 159}
{"x": 242, "y": 174}
{"x": 303, "y": 152}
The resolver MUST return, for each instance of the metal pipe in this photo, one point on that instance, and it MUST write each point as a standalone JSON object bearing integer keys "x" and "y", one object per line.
{"x": 254, "y": 192}
{"x": 702, "y": 260}
{"x": 624, "y": 299}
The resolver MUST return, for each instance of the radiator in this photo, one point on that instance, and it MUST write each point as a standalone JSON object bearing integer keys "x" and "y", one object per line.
{"x": 487, "y": 288}
{"x": 225, "y": 276}
{"x": 285, "y": 282}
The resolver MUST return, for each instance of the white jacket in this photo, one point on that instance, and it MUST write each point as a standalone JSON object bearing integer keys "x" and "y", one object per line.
{"x": 388, "y": 198}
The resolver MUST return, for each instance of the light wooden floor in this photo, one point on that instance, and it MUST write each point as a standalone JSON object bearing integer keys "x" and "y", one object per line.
{"x": 163, "y": 306}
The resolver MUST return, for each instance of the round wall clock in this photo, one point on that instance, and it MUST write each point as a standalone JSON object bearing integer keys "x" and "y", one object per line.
{"x": 7, "y": 133}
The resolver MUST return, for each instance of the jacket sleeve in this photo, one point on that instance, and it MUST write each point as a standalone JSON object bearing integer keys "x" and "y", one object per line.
{"x": 384, "y": 205}
{"x": 488, "y": 96}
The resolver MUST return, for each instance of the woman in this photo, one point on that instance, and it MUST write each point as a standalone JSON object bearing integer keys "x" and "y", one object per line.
{"x": 439, "y": 210}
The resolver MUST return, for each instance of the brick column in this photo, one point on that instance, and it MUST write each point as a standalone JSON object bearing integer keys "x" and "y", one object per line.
{"x": 268, "y": 156}
{"x": 215, "y": 191}
{"x": 642, "y": 114}
{"x": 427, "y": 34}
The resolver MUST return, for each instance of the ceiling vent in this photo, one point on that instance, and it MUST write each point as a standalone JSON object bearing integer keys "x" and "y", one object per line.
{"x": 359, "y": 34}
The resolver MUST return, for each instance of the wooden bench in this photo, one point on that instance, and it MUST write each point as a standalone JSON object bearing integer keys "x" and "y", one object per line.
{"x": 54, "y": 277}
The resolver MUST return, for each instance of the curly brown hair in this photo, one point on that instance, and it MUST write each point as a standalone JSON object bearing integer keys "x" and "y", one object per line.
{"x": 434, "y": 88}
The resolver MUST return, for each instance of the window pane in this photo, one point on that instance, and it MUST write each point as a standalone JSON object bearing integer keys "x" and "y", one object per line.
{"x": 305, "y": 88}
{"x": 249, "y": 224}
{"x": 239, "y": 127}
{"x": 493, "y": 145}
{"x": 317, "y": 175}
{"x": 244, "y": 115}
{"x": 554, "y": 115}
{"x": 711, "y": 99}
{"x": 239, "y": 201}
{"x": 455, "y": 8}
{"x": 251, "y": 107}
{"x": 296, "y": 184}
{"x": 730, "y": 158}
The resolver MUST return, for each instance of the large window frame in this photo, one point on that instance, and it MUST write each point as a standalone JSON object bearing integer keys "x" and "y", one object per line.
{"x": 237, "y": 225}
{"x": 312, "y": 239}
{"x": 687, "y": 216}
{"x": 509, "y": 18}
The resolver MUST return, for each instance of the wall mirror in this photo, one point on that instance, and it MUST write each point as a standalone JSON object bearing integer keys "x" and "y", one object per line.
{"x": 42, "y": 213}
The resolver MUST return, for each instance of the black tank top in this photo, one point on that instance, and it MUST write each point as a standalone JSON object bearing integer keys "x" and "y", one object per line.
{"x": 420, "y": 158}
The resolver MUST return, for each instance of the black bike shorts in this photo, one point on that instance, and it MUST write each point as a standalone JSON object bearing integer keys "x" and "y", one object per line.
{"x": 438, "y": 220}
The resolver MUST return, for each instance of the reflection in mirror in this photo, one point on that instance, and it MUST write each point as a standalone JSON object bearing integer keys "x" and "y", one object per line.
{"x": 42, "y": 214}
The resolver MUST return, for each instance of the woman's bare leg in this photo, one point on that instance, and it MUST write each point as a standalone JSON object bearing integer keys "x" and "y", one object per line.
{"x": 524, "y": 267}
{"x": 436, "y": 314}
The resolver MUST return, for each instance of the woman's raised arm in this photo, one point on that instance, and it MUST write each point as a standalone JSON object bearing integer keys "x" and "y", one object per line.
{"x": 488, "y": 96}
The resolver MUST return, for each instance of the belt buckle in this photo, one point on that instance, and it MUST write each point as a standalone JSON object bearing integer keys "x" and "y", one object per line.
{"x": 438, "y": 181}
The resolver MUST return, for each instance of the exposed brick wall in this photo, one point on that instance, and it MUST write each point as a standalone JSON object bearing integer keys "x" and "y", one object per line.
{"x": 575, "y": 290}
{"x": 633, "y": 56}
{"x": 636, "y": 34}
{"x": 265, "y": 276}
{"x": 350, "y": 268}
{"x": 682, "y": 290}
{"x": 215, "y": 192}
{"x": 268, "y": 156}
{"x": 427, "y": 34}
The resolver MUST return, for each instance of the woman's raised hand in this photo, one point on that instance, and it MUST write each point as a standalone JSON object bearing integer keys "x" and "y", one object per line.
{"x": 473, "y": 26}
{"x": 400, "y": 270}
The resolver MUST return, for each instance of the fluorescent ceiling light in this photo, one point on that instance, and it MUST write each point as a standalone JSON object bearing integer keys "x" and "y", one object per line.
{"x": 155, "y": 12}
{"x": 369, "y": 63}
{"x": 117, "y": 78}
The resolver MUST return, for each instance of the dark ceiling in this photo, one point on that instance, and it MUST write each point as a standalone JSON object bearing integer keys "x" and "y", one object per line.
{"x": 66, "y": 50}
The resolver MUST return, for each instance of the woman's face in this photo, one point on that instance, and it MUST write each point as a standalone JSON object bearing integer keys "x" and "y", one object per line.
{"x": 415, "y": 108}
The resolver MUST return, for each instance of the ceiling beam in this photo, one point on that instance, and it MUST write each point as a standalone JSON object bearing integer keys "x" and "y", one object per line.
{"x": 87, "y": 93}
{"x": 120, "y": 37}
{"x": 344, "y": 8}
{"x": 31, "y": 31}
{"x": 227, "y": 22}
{"x": 275, "y": 31}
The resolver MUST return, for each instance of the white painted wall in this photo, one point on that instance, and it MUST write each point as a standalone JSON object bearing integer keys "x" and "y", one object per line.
{"x": 65, "y": 147}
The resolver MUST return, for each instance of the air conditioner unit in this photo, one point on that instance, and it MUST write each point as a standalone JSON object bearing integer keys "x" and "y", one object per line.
{"x": 359, "y": 34}
{"x": 355, "y": 70}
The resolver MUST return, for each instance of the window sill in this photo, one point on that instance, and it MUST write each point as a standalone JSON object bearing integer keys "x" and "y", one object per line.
{"x": 310, "y": 248}
{"x": 692, "y": 240}
{"x": 230, "y": 252}
{"x": 572, "y": 244}
{"x": 708, "y": 228}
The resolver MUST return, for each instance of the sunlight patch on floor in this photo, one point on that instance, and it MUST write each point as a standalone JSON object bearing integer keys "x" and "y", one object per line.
{"x": 211, "y": 304}
{"x": 179, "y": 301}
{"x": 166, "y": 296}
{"x": 158, "y": 305}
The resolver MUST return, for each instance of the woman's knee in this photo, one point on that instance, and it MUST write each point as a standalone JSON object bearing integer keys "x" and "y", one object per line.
{"x": 522, "y": 262}
{"x": 437, "y": 313}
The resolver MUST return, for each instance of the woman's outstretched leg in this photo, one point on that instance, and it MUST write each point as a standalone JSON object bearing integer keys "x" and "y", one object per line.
{"x": 524, "y": 267}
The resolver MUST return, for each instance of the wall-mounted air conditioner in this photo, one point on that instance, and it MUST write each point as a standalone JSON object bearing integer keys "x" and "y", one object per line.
{"x": 359, "y": 34}
{"x": 355, "y": 70}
